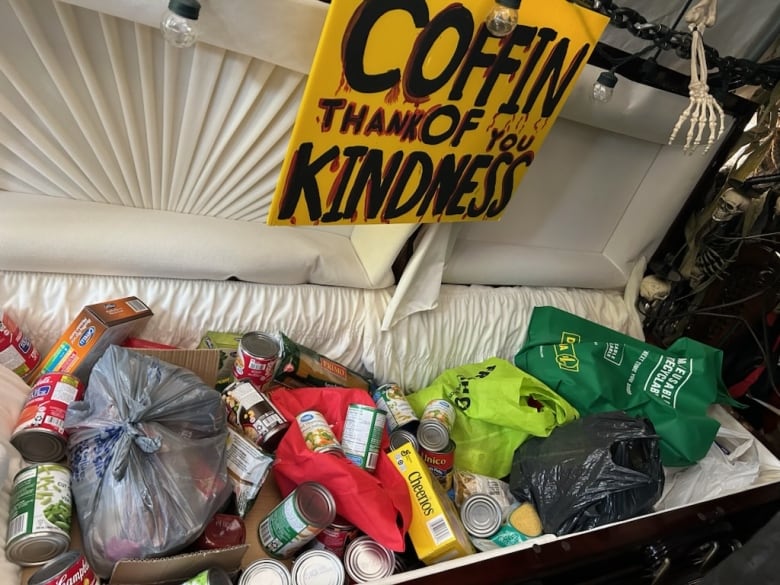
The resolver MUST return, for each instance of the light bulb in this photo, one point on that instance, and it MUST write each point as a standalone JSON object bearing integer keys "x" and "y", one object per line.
{"x": 604, "y": 86}
{"x": 502, "y": 19}
{"x": 179, "y": 24}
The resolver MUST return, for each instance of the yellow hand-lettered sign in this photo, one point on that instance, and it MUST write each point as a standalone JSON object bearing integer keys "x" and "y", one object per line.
{"x": 414, "y": 112}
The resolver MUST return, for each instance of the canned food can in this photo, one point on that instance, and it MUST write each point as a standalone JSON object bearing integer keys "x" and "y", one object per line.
{"x": 362, "y": 435}
{"x": 297, "y": 519}
{"x": 16, "y": 352}
{"x": 336, "y": 536}
{"x": 254, "y": 415}
{"x": 40, "y": 429}
{"x": 481, "y": 515}
{"x": 39, "y": 514}
{"x": 400, "y": 437}
{"x": 318, "y": 567}
{"x": 266, "y": 572}
{"x": 390, "y": 399}
{"x": 435, "y": 425}
{"x": 440, "y": 463}
{"x": 367, "y": 560}
{"x": 317, "y": 434}
{"x": 69, "y": 568}
{"x": 222, "y": 531}
{"x": 213, "y": 576}
{"x": 256, "y": 358}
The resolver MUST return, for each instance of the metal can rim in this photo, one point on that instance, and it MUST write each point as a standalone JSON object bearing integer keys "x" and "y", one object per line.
{"x": 327, "y": 498}
{"x": 261, "y": 565}
{"x": 333, "y": 561}
{"x": 383, "y": 554}
{"x": 488, "y": 503}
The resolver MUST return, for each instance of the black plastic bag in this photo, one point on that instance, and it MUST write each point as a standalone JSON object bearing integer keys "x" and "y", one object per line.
{"x": 599, "y": 469}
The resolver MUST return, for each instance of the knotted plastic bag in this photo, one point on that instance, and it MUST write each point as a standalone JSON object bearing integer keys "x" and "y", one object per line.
{"x": 147, "y": 456}
{"x": 497, "y": 407}
{"x": 378, "y": 504}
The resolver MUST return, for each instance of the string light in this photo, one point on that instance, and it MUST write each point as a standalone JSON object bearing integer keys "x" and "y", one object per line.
{"x": 604, "y": 86}
{"x": 502, "y": 19}
{"x": 179, "y": 24}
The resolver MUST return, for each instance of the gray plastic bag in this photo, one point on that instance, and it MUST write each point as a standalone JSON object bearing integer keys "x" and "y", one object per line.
{"x": 146, "y": 448}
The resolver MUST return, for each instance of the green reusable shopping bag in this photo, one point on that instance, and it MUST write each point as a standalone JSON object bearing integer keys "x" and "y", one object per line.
{"x": 493, "y": 415}
{"x": 598, "y": 369}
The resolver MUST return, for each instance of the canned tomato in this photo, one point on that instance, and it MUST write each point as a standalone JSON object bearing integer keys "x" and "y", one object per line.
{"x": 336, "y": 536}
{"x": 367, "y": 560}
{"x": 440, "y": 463}
{"x": 252, "y": 413}
{"x": 318, "y": 567}
{"x": 266, "y": 572}
{"x": 390, "y": 399}
{"x": 40, "y": 429}
{"x": 39, "y": 514}
{"x": 362, "y": 435}
{"x": 481, "y": 515}
{"x": 256, "y": 358}
{"x": 296, "y": 520}
{"x": 317, "y": 434}
{"x": 16, "y": 352}
{"x": 435, "y": 425}
{"x": 69, "y": 568}
{"x": 213, "y": 576}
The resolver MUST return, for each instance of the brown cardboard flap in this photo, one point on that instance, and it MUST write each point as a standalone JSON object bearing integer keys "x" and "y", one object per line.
{"x": 177, "y": 569}
{"x": 203, "y": 362}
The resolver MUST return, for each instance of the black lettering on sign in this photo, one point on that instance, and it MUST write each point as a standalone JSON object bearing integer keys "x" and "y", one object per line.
{"x": 302, "y": 179}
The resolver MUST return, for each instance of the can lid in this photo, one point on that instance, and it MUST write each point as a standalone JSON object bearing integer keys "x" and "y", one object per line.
{"x": 400, "y": 437}
{"x": 316, "y": 504}
{"x": 481, "y": 515}
{"x": 367, "y": 560}
{"x": 266, "y": 572}
{"x": 39, "y": 445}
{"x": 259, "y": 344}
{"x": 341, "y": 523}
{"x": 318, "y": 567}
{"x": 37, "y": 549}
{"x": 432, "y": 435}
{"x": 54, "y": 567}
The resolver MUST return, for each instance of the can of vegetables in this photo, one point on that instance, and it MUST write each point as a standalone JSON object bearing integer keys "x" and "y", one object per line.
{"x": 39, "y": 514}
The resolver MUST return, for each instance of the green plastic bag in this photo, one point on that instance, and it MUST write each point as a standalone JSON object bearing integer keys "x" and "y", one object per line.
{"x": 598, "y": 369}
{"x": 493, "y": 415}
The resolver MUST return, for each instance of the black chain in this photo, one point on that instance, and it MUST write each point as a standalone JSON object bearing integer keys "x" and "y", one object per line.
{"x": 732, "y": 72}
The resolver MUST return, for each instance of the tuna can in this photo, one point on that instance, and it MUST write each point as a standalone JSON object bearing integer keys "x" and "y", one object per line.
{"x": 266, "y": 572}
{"x": 436, "y": 423}
{"x": 256, "y": 358}
{"x": 367, "y": 560}
{"x": 317, "y": 434}
{"x": 440, "y": 463}
{"x": 390, "y": 399}
{"x": 39, "y": 514}
{"x": 16, "y": 352}
{"x": 252, "y": 413}
{"x": 336, "y": 536}
{"x": 363, "y": 427}
{"x": 213, "y": 576}
{"x": 40, "y": 429}
{"x": 69, "y": 568}
{"x": 481, "y": 515}
{"x": 318, "y": 567}
{"x": 400, "y": 437}
{"x": 296, "y": 520}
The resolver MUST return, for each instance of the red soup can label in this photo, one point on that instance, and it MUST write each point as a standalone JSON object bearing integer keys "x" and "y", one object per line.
{"x": 70, "y": 568}
{"x": 440, "y": 463}
{"x": 256, "y": 358}
{"x": 16, "y": 352}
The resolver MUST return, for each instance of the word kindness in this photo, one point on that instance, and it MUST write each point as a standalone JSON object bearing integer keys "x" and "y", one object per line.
{"x": 445, "y": 157}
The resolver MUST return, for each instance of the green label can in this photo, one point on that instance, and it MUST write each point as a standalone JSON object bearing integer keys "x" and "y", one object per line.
{"x": 362, "y": 435}
{"x": 39, "y": 514}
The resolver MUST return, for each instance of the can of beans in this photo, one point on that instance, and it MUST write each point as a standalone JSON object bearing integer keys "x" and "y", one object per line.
{"x": 265, "y": 572}
{"x": 436, "y": 423}
{"x": 39, "y": 514}
{"x": 440, "y": 463}
{"x": 363, "y": 427}
{"x": 213, "y": 576}
{"x": 256, "y": 358}
{"x": 317, "y": 434}
{"x": 390, "y": 399}
{"x": 318, "y": 567}
{"x": 481, "y": 515}
{"x": 254, "y": 415}
{"x": 297, "y": 519}
{"x": 16, "y": 352}
{"x": 336, "y": 536}
{"x": 69, "y": 568}
{"x": 40, "y": 429}
{"x": 367, "y": 560}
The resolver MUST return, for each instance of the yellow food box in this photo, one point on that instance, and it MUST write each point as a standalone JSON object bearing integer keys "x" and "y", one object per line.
{"x": 436, "y": 530}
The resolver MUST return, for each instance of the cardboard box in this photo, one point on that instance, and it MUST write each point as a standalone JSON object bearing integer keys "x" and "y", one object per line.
{"x": 90, "y": 333}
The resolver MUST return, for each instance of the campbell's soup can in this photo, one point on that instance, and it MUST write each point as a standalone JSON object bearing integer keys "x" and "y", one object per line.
{"x": 40, "y": 429}
{"x": 70, "y": 568}
{"x": 440, "y": 463}
{"x": 256, "y": 358}
{"x": 16, "y": 352}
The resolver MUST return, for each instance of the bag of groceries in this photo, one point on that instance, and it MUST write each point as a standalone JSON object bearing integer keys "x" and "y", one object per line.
{"x": 147, "y": 453}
